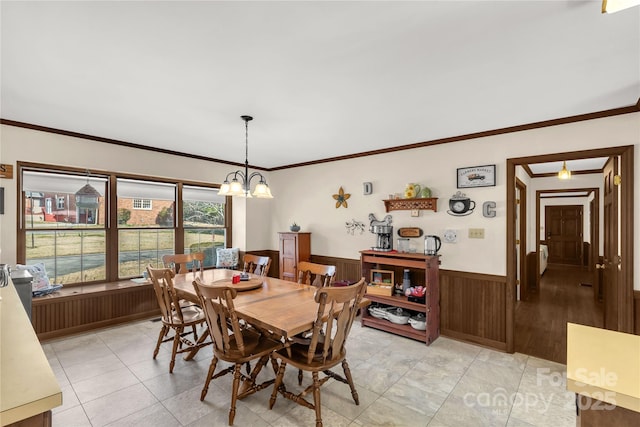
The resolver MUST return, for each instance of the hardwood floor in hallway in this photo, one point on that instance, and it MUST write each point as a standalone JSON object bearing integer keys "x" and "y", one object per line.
{"x": 541, "y": 321}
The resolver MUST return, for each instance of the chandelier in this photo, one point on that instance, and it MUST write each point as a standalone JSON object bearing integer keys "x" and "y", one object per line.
{"x": 240, "y": 184}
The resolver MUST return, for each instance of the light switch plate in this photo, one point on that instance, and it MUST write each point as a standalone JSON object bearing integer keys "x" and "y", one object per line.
{"x": 476, "y": 233}
{"x": 415, "y": 212}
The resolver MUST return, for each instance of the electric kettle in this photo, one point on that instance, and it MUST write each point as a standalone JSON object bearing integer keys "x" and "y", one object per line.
{"x": 431, "y": 245}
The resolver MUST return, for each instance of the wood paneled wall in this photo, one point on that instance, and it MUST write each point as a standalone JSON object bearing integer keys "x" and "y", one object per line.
{"x": 473, "y": 308}
{"x": 532, "y": 272}
{"x": 346, "y": 269}
{"x": 56, "y": 317}
{"x": 472, "y": 305}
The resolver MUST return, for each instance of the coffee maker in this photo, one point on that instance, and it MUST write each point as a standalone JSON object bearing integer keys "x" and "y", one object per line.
{"x": 384, "y": 242}
{"x": 384, "y": 230}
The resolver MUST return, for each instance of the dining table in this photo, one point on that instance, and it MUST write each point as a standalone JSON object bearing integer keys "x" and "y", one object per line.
{"x": 282, "y": 307}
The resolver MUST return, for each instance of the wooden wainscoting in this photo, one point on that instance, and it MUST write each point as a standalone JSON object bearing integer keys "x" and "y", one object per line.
{"x": 346, "y": 269}
{"x": 530, "y": 282}
{"x": 472, "y": 305}
{"x": 84, "y": 308}
{"x": 473, "y": 308}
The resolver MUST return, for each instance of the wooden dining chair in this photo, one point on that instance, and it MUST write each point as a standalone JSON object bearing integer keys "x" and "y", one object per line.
{"x": 178, "y": 262}
{"x": 234, "y": 343}
{"x": 318, "y": 275}
{"x": 256, "y": 264}
{"x": 337, "y": 309}
{"x": 175, "y": 316}
{"x": 312, "y": 274}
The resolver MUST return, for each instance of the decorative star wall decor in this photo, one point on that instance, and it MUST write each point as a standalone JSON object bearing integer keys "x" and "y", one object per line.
{"x": 341, "y": 198}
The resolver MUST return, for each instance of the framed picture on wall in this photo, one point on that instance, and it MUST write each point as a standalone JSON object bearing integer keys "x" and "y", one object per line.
{"x": 477, "y": 176}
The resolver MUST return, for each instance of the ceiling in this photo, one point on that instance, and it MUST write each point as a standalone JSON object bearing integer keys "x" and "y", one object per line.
{"x": 322, "y": 79}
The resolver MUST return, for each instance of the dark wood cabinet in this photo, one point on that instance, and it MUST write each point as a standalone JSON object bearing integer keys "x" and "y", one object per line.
{"x": 293, "y": 247}
{"x": 424, "y": 270}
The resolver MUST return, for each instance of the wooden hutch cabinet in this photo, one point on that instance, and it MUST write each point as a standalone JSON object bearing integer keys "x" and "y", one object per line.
{"x": 294, "y": 247}
{"x": 424, "y": 270}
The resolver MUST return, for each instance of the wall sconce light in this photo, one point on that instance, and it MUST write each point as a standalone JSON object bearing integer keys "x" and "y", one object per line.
{"x": 564, "y": 172}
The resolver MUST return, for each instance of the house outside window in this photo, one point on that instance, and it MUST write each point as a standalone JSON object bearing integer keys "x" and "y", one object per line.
{"x": 145, "y": 234}
{"x": 72, "y": 248}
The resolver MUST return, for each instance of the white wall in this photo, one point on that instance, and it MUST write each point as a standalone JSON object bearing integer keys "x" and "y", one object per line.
{"x": 19, "y": 144}
{"x": 305, "y": 194}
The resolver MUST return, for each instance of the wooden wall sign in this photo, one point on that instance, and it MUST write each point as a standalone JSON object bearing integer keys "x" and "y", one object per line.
{"x": 410, "y": 232}
{"x": 6, "y": 171}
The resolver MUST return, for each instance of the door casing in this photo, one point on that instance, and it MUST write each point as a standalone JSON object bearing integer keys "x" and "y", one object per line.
{"x": 625, "y": 291}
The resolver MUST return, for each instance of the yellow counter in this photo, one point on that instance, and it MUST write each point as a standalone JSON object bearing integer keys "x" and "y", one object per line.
{"x": 28, "y": 386}
{"x": 604, "y": 365}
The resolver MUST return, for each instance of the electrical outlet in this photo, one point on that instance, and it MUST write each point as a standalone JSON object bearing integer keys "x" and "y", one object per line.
{"x": 476, "y": 233}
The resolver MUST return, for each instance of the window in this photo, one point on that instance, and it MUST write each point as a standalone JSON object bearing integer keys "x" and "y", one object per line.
{"x": 203, "y": 213}
{"x": 142, "y": 204}
{"x": 70, "y": 243}
{"x": 71, "y": 231}
{"x": 144, "y": 234}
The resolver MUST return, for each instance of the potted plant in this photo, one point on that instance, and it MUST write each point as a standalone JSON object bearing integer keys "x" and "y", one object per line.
{"x": 294, "y": 227}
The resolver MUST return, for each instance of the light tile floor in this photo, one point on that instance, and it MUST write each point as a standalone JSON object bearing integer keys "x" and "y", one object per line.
{"x": 108, "y": 378}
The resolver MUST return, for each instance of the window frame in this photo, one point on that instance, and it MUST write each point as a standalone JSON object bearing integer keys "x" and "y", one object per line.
{"x": 190, "y": 228}
{"x": 111, "y": 220}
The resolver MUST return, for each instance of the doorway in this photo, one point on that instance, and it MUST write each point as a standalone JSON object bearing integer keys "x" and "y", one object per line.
{"x": 620, "y": 305}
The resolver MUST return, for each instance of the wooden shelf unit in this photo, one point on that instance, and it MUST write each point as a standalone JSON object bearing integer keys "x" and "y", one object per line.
{"x": 424, "y": 272}
{"x": 430, "y": 203}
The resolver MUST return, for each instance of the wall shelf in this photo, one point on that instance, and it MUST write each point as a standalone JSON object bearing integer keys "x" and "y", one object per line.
{"x": 430, "y": 203}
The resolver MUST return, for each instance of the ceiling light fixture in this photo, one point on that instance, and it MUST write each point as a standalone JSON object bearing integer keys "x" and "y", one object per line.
{"x": 240, "y": 185}
{"x": 611, "y": 6}
{"x": 564, "y": 172}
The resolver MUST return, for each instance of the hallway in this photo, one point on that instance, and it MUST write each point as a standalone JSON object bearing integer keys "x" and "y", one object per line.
{"x": 541, "y": 321}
